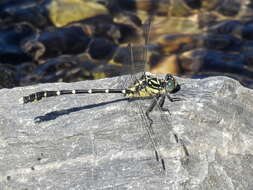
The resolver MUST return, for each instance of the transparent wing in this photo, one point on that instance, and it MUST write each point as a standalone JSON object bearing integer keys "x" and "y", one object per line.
{"x": 155, "y": 143}
{"x": 167, "y": 128}
{"x": 139, "y": 60}
{"x": 135, "y": 57}
{"x": 139, "y": 54}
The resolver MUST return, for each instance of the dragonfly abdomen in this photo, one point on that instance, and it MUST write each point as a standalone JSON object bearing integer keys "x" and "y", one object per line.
{"x": 44, "y": 94}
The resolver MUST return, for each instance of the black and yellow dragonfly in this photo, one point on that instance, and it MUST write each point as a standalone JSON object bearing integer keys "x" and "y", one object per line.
{"x": 147, "y": 86}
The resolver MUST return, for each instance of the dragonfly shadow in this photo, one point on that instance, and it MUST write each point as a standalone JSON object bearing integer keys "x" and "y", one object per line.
{"x": 53, "y": 115}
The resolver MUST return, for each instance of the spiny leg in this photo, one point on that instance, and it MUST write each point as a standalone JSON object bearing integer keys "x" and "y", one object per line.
{"x": 162, "y": 100}
{"x": 161, "y": 103}
{"x": 175, "y": 99}
{"x": 151, "y": 107}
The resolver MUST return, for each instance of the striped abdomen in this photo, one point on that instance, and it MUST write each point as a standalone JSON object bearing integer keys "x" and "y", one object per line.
{"x": 43, "y": 94}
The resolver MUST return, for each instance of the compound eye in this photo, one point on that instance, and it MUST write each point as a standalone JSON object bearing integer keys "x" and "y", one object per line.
{"x": 171, "y": 85}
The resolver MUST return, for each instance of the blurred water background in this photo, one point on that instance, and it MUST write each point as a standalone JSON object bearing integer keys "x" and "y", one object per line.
{"x": 72, "y": 40}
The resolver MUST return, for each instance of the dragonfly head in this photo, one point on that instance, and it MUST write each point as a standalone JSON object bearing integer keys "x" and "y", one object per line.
{"x": 171, "y": 84}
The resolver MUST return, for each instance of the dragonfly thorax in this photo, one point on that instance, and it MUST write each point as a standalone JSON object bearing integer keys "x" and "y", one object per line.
{"x": 149, "y": 86}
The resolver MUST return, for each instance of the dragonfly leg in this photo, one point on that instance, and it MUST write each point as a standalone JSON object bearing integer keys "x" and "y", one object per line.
{"x": 162, "y": 100}
{"x": 151, "y": 107}
{"x": 161, "y": 103}
{"x": 174, "y": 99}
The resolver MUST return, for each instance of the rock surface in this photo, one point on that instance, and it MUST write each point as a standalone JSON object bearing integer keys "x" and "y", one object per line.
{"x": 98, "y": 141}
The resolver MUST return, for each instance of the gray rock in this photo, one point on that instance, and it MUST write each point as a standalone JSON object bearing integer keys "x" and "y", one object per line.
{"x": 99, "y": 141}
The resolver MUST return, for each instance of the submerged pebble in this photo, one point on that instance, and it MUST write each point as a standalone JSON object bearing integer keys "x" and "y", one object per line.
{"x": 92, "y": 40}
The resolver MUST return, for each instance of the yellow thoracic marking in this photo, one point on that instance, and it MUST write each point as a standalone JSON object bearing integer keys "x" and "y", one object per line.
{"x": 154, "y": 81}
{"x": 153, "y": 87}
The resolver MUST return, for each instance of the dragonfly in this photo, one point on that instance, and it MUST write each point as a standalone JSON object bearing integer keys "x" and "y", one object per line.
{"x": 147, "y": 86}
